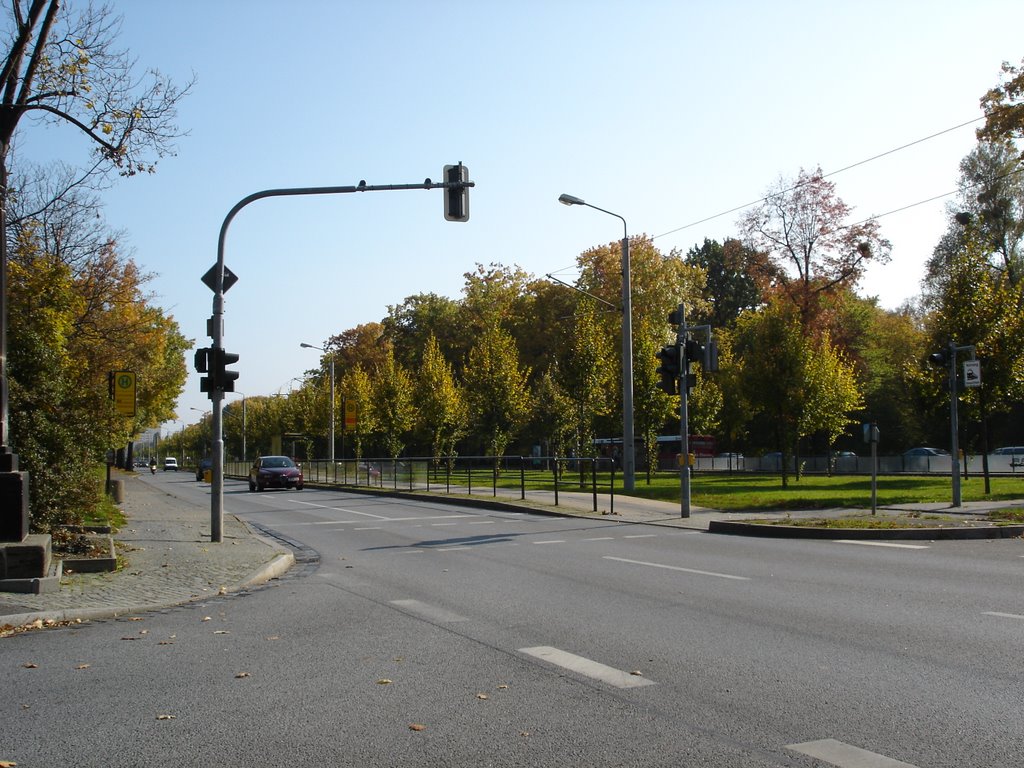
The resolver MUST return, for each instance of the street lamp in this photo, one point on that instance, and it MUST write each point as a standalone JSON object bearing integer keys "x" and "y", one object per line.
{"x": 330, "y": 439}
{"x": 628, "y": 452}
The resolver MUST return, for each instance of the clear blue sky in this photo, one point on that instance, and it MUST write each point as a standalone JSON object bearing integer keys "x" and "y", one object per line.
{"x": 664, "y": 112}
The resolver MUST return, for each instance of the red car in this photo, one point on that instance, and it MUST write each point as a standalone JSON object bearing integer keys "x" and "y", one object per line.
{"x": 274, "y": 472}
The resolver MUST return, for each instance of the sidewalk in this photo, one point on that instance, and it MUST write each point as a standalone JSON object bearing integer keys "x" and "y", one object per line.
{"x": 171, "y": 561}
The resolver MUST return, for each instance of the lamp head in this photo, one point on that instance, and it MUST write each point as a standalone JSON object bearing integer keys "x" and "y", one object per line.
{"x": 304, "y": 345}
{"x": 570, "y": 200}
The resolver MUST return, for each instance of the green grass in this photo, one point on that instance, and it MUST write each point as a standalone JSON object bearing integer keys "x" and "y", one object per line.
{"x": 763, "y": 492}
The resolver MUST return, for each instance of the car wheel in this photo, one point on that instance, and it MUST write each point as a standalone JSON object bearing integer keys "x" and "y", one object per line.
{"x": 260, "y": 488}
{"x": 299, "y": 487}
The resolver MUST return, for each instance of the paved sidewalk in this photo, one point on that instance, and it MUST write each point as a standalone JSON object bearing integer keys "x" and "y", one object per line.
{"x": 170, "y": 561}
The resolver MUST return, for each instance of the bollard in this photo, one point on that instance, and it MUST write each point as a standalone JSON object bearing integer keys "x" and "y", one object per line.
{"x": 117, "y": 491}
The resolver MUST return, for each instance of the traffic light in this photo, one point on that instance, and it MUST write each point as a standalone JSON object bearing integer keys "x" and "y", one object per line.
{"x": 456, "y": 197}
{"x": 675, "y": 317}
{"x": 669, "y": 368}
{"x": 694, "y": 351}
{"x": 224, "y": 378}
{"x": 202, "y": 363}
{"x": 939, "y": 359}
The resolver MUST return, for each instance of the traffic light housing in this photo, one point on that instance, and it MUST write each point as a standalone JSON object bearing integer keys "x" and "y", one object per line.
{"x": 939, "y": 359}
{"x": 456, "y": 197}
{"x": 202, "y": 363}
{"x": 225, "y": 379}
{"x": 669, "y": 368}
{"x": 214, "y": 362}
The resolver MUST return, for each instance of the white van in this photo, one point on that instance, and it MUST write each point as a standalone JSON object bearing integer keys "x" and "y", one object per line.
{"x": 170, "y": 463}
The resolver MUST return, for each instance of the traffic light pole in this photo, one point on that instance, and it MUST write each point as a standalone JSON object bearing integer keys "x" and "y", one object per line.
{"x": 216, "y": 329}
{"x": 684, "y": 417}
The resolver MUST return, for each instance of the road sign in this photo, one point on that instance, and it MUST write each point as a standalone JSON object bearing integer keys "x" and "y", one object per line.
{"x": 972, "y": 373}
{"x": 122, "y": 392}
{"x": 210, "y": 278}
{"x": 351, "y": 415}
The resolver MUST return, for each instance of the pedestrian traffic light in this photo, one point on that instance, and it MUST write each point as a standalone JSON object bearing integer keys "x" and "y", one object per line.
{"x": 675, "y": 317}
{"x": 669, "y": 368}
{"x": 202, "y": 363}
{"x": 694, "y": 351}
{"x": 225, "y": 379}
{"x": 456, "y": 195}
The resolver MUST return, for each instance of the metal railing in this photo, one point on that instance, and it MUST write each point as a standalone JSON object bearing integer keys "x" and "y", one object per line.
{"x": 509, "y": 476}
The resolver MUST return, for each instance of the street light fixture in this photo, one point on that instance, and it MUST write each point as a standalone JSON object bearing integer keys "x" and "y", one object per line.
{"x": 628, "y": 452}
{"x": 330, "y": 438}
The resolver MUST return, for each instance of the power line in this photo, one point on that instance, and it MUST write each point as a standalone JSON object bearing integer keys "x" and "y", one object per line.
{"x": 833, "y": 173}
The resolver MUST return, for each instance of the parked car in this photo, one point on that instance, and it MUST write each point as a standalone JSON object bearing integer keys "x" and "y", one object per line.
{"x": 204, "y": 464}
{"x": 274, "y": 472}
{"x": 924, "y": 451}
{"x": 170, "y": 463}
{"x": 1012, "y": 450}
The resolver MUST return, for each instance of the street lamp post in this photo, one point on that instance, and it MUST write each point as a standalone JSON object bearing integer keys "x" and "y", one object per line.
{"x": 628, "y": 451}
{"x": 330, "y": 438}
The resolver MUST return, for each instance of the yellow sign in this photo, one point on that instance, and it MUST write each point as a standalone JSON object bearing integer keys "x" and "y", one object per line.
{"x": 351, "y": 415}
{"x": 123, "y": 392}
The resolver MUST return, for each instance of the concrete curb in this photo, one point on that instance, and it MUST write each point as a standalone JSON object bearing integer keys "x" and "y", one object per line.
{"x": 865, "y": 534}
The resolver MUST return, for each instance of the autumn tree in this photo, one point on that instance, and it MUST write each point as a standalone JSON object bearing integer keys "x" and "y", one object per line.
{"x": 393, "y": 405}
{"x": 1004, "y": 107}
{"x": 497, "y": 389}
{"x": 731, "y": 285}
{"x": 357, "y": 390}
{"x": 443, "y": 415}
{"x": 64, "y": 68}
{"x": 802, "y": 226}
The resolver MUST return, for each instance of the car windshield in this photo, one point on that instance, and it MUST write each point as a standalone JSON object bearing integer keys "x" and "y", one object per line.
{"x": 277, "y": 461}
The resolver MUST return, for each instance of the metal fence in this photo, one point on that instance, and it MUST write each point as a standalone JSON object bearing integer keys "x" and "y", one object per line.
{"x": 509, "y": 476}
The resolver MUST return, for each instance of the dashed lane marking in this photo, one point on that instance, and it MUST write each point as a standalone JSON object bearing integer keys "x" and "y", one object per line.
{"x": 1002, "y": 615}
{"x": 845, "y": 755}
{"x": 677, "y": 568}
{"x": 881, "y": 544}
{"x": 587, "y": 667}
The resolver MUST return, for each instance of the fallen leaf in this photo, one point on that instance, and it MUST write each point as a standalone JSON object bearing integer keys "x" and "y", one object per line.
{"x": 7, "y": 764}
{"x": 637, "y": 672}
{"x": 83, "y": 666}
{"x": 273, "y": 637}
{"x": 129, "y": 638}
{"x": 383, "y": 681}
{"x": 242, "y": 674}
{"x": 222, "y": 591}
{"x": 503, "y": 686}
{"x": 166, "y": 642}
{"x": 482, "y": 696}
{"x": 221, "y": 632}
{"x": 206, "y": 618}
{"x": 136, "y": 618}
{"x": 30, "y": 665}
{"x": 166, "y": 717}
{"x": 143, "y": 631}
{"x": 417, "y": 727}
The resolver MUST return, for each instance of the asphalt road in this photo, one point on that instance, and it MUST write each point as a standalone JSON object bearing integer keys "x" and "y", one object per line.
{"x": 421, "y": 634}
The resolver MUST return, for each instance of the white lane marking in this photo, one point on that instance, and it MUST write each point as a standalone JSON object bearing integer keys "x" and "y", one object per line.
{"x": 549, "y": 541}
{"x": 881, "y": 544}
{"x": 373, "y": 528}
{"x": 377, "y": 517}
{"x": 587, "y": 667}
{"x": 427, "y": 611}
{"x": 482, "y": 522}
{"x": 601, "y": 538}
{"x": 846, "y": 756}
{"x": 448, "y": 549}
{"x": 677, "y": 568}
{"x": 1002, "y": 615}
{"x": 642, "y": 536}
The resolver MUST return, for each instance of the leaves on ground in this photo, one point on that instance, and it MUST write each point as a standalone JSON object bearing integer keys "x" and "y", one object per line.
{"x": 166, "y": 717}
{"x": 242, "y": 674}
{"x": 417, "y": 727}
{"x": 384, "y": 681}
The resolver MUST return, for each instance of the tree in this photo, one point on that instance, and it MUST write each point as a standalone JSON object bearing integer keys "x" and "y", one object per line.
{"x": 443, "y": 415}
{"x": 358, "y": 392}
{"x": 393, "y": 406}
{"x": 732, "y": 271}
{"x": 802, "y": 226}
{"x": 1004, "y": 107}
{"x": 496, "y": 388}
{"x": 833, "y": 392}
{"x": 65, "y": 69}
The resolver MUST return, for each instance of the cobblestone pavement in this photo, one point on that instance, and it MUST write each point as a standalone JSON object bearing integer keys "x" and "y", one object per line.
{"x": 168, "y": 559}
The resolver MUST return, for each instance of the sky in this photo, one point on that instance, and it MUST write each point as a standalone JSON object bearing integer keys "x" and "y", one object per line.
{"x": 669, "y": 114}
